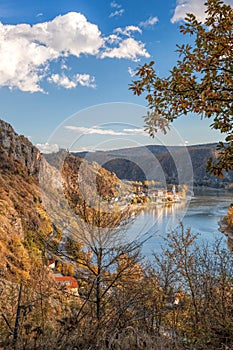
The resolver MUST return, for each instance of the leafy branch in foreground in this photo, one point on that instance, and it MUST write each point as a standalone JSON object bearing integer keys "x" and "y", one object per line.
{"x": 201, "y": 82}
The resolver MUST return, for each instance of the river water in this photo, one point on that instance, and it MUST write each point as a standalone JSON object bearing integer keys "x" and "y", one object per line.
{"x": 201, "y": 214}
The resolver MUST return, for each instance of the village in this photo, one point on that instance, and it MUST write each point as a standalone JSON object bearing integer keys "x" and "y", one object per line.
{"x": 139, "y": 196}
{"x": 148, "y": 192}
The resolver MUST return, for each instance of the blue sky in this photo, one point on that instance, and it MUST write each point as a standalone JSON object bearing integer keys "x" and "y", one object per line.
{"x": 60, "y": 57}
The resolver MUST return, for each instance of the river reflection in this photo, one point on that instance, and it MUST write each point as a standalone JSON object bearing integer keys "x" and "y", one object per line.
{"x": 201, "y": 214}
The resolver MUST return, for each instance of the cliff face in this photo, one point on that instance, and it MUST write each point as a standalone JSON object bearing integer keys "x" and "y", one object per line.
{"x": 76, "y": 189}
{"x": 17, "y": 151}
{"x": 25, "y": 224}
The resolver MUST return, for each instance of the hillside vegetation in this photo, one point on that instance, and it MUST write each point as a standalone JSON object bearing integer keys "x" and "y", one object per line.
{"x": 144, "y": 162}
{"x": 181, "y": 300}
{"x": 25, "y": 224}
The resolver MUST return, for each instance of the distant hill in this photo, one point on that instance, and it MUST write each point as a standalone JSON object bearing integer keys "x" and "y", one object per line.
{"x": 155, "y": 161}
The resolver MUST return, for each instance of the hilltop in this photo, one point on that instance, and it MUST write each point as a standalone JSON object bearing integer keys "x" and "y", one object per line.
{"x": 141, "y": 163}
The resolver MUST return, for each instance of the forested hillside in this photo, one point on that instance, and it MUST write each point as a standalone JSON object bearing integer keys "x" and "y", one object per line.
{"x": 133, "y": 163}
{"x": 94, "y": 290}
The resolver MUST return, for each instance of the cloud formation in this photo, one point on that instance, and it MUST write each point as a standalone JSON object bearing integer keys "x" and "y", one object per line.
{"x": 150, "y": 22}
{"x": 118, "y": 10}
{"x": 96, "y": 130}
{"x": 26, "y": 51}
{"x": 131, "y": 71}
{"x": 115, "y": 5}
{"x": 117, "y": 13}
{"x": 47, "y": 148}
{"x": 127, "y": 31}
{"x": 128, "y": 48}
{"x": 78, "y": 79}
{"x": 196, "y": 7}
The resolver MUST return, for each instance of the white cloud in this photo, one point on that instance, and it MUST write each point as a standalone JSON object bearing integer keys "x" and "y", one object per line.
{"x": 26, "y": 51}
{"x": 150, "y": 22}
{"x": 64, "y": 66}
{"x": 189, "y": 6}
{"x": 117, "y": 13}
{"x": 96, "y": 130}
{"x": 78, "y": 79}
{"x": 128, "y": 30}
{"x": 118, "y": 10}
{"x": 128, "y": 48}
{"x": 21, "y": 61}
{"x": 47, "y": 148}
{"x": 70, "y": 34}
{"x": 115, "y": 5}
{"x": 39, "y": 14}
{"x": 136, "y": 131}
{"x": 196, "y": 7}
{"x": 131, "y": 72}
{"x": 112, "y": 39}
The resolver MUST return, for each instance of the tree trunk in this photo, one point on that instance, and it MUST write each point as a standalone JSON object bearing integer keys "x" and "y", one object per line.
{"x": 17, "y": 318}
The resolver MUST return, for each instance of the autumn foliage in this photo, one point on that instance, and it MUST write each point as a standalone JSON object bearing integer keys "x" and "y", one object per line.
{"x": 201, "y": 82}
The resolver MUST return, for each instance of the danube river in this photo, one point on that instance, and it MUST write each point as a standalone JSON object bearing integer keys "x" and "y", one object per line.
{"x": 201, "y": 214}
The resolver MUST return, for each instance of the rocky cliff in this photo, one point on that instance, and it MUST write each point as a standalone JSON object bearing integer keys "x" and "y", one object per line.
{"x": 16, "y": 151}
{"x": 26, "y": 223}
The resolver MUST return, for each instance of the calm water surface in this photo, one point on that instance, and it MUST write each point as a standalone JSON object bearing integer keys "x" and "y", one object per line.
{"x": 201, "y": 214}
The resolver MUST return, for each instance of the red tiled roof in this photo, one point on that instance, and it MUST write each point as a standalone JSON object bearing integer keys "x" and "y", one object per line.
{"x": 68, "y": 281}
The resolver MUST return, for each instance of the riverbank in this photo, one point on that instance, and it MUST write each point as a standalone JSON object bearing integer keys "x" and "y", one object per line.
{"x": 226, "y": 224}
{"x": 204, "y": 189}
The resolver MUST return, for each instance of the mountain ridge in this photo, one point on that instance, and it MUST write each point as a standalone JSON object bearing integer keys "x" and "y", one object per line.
{"x": 125, "y": 163}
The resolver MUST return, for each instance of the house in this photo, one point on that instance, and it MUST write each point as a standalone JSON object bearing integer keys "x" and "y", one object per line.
{"x": 169, "y": 196}
{"x": 160, "y": 193}
{"x": 69, "y": 282}
{"x": 52, "y": 263}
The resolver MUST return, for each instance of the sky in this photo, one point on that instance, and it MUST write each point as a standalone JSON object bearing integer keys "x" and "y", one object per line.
{"x": 59, "y": 58}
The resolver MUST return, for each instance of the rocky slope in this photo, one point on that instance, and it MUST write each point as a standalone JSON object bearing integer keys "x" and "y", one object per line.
{"x": 26, "y": 220}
